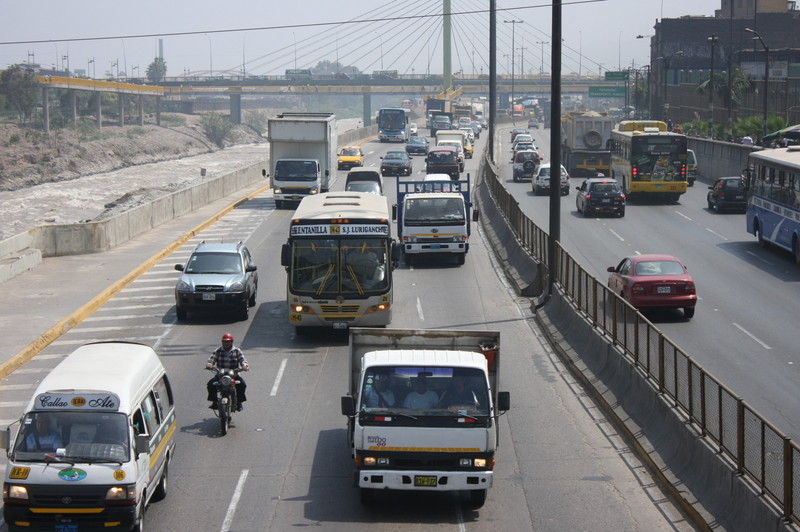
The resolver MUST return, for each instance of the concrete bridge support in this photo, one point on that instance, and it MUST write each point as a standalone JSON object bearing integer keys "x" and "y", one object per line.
{"x": 98, "y": 110}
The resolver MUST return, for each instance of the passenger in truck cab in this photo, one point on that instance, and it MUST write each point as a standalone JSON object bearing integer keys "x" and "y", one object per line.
{"x": 379, "y": 395}
{"x": 421, "y": 397}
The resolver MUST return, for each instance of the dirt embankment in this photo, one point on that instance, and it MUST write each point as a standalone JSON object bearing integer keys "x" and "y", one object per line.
{"x": 29, "y": 157}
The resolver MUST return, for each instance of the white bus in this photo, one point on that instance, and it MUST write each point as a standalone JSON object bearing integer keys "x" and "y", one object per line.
{"x": 339, "y": 260}
{"x": 773, "y": 198}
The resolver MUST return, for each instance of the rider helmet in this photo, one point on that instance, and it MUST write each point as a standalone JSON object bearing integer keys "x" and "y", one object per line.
{"x": 227, "y": 336}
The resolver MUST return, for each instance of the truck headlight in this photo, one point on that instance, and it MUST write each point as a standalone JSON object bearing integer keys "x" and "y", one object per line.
{"x": 277, "y": 190}
{"x": 13, "y": 491}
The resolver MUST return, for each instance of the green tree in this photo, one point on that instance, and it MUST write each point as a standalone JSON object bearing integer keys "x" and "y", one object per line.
{"x": 217, "y": 128}
{"x": 157, "y": 70}
{"x": 20, "y": 89}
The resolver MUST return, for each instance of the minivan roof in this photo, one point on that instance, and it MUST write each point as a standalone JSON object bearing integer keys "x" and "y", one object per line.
{"x": 120, "y": 368}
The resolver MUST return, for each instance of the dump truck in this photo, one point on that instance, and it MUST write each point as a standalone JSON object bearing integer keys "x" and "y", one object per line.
{"x": 584, "y": 146}
{"x": 422, "y": 409}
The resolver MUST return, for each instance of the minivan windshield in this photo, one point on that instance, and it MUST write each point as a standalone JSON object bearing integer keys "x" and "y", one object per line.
{"x": 68, "y": 436}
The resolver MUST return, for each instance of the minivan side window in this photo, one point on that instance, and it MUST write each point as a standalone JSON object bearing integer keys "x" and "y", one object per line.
{"x": 150, "y": 414}
{"x": 163, "y": 392}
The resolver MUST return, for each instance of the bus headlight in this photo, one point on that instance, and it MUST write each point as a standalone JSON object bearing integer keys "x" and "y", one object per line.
{"x": 13, "y": 491}
{"x": 301, "y": 309}
{"x": 383, "y": 307}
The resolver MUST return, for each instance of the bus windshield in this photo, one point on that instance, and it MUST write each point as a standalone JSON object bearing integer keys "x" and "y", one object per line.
{"x": 657, "y": 158}
{"x": 392, "y": 119}
{"x": 330, "y": 267}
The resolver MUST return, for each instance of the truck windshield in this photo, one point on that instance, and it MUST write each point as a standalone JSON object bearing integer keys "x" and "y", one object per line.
{"x": 328, "y": 267}
{"x": 444, "y": 211}
{"x": 67, "y": 436}
{"x": 296, "y": 170}
{"x": 429, "y": 391}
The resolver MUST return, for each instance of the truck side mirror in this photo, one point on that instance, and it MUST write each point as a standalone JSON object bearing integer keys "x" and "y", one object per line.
{"x": 503, "y": 401}
{"x": 286, "y": 256}
{"x": 264, "y": 172}
{"x": 475, "y": 215}
{"x": 348, "y": 405}
{"x": 394, "y": 212}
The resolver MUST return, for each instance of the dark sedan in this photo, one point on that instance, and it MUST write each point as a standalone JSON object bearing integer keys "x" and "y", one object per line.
{"x": 417, "y": 146}
{"x": 727, "y": 193}
{"x": 395, "y": 163}
{"x": 597, "y": 195}
{"x": 654, "y": 281}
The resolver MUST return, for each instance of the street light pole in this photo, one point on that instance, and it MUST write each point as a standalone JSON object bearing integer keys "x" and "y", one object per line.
{"x": 541, "y": 68}
{"x": 713, "y": 40}
{"x": 766, "y": 76}
{"x": 513, "y": 25}
{"x": 210, "y": 58}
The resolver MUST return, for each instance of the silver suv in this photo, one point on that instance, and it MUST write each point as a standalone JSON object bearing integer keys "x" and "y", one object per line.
{"x": 217, "y": 277}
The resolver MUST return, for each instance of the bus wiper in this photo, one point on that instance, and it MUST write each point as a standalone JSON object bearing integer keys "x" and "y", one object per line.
{"x": 94, "y": 460}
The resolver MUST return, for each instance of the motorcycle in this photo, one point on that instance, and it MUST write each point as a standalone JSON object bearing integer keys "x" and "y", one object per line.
{"x": 227, "y": 403}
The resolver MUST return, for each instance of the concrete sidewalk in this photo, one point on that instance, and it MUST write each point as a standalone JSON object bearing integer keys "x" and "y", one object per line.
{"x": 59, "y": 293}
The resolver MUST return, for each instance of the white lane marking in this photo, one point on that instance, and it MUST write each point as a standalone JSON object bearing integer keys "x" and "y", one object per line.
{"x": 419, "y": 310}
{"x": 616, "y": 235}
{"x": 715, "y": 233}
{"x": 683, "y": 215}
{"x": 278, "y": 378}
{"x": 751, "y": 335}
{"x": 759, "y": 258}
{"x": 460, "y": 519}
{"x": 237, "y": 493}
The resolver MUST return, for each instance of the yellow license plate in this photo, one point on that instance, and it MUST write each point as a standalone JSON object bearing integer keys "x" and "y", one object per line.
{"x": 425, "y": 481}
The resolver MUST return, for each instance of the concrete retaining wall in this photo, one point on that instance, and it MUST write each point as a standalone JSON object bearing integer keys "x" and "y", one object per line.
{"x": 719, "y": 159}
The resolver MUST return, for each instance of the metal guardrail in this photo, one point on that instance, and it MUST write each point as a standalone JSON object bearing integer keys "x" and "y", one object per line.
{"x": 758, "y": 451}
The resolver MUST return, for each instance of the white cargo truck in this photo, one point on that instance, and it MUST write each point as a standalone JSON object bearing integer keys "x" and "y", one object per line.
{"x": 434, "y": 218}
{"x": 302, "y": 154}
{"x": 422, "y": 410}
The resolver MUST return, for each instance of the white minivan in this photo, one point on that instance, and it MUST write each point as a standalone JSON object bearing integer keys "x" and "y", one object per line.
{"x": 94, "y": 445}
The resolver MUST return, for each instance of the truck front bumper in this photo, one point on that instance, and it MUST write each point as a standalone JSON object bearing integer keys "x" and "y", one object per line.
{"x": 423, "y": 480}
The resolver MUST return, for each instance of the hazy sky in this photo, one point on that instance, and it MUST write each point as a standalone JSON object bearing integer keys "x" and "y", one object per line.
{"x": 265, "y": 38}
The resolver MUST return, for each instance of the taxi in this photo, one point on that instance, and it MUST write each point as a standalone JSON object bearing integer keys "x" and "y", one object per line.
{"x": 349, "y": 157}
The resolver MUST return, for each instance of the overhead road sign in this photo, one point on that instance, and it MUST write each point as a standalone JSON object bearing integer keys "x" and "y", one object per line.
{"x": 622, "y": 75}
{"x": 606, "y": 92}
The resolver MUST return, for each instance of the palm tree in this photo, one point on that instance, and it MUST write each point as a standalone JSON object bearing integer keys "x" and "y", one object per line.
{"x": 740, "y": 85}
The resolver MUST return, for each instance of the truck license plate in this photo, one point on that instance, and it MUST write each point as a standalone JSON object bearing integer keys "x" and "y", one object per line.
{"x": 425, "y": 481}
{"x": 436, "y": 246}
{"x": 340, "y": 325}
{"x": 209, "y": 297}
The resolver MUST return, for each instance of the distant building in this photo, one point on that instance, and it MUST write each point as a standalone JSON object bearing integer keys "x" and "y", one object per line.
{"x": 681, "y": 48}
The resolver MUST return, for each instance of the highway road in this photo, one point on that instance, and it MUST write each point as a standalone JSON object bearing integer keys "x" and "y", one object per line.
{"x": 744, "y": 331}
{"x": 285, "y": 463}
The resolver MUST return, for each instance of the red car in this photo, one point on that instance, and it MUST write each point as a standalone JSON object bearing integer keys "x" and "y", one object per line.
{"x": 654, "y": 281}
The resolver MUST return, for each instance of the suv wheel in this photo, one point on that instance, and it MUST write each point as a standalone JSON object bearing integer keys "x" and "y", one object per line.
{"x": 181, "y": 314}
{"x": 252, "y": 300}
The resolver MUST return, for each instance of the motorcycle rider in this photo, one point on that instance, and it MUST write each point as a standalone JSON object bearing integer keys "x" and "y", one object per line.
{"x": 228, "y": 356}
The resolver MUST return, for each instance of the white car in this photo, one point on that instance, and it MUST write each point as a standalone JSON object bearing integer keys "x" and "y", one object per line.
{"x": 412, "y": 129}
{"x": 469, "y": 132}
{"x": 541, "y": 180}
